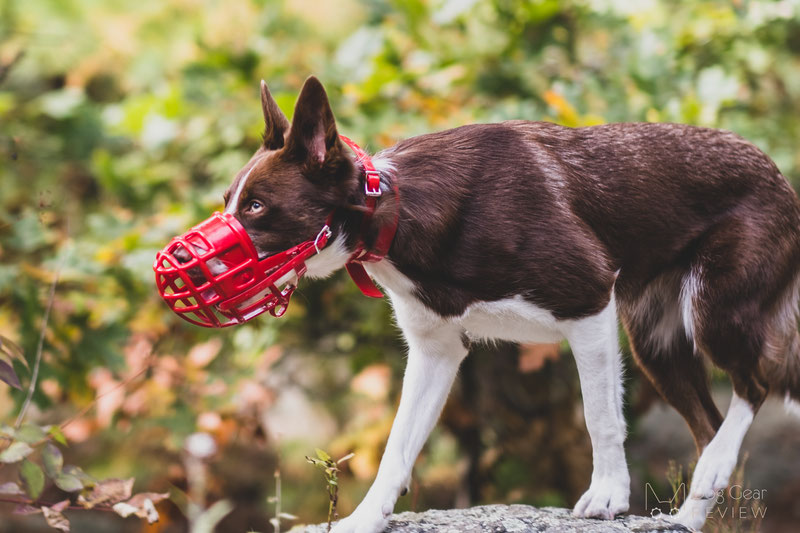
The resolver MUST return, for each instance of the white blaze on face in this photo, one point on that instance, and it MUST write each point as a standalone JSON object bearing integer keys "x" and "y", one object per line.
{"x": 234, "y": 201}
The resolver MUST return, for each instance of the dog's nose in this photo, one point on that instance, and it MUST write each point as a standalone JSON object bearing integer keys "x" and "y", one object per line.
{"x": 182, "y": 255}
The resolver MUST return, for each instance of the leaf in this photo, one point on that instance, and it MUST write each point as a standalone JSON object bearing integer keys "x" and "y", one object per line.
{"x": 124, "y": 510}
{"x": 206, "y": 522}
{"x": 53, "y": 460}
{"x": 11, "y": 489}
{"x": 146, "y": 510}
{"x": 25, "y": 509}
{"x": 138, "y": 499}
{"x": 10, "y": 352}
{"x": 346, "y": 458}
{"x": 150, "y": 513}
{"x": 109, "y": 491}
{"x": 15, "y": 453}
{"x": 7, "y": 374}
{"x": 32, "y": 478}
{"x": 55, "y": 519}
{"x": 323, "y": 456}
{"x": 87, "y": 480}
{"x": 58, "y": 435}
{"x": 68, "y": 482}
{"x": 30, "y": 433}
{"x": 60, "y": 506}
{"x": 10, "y": 348}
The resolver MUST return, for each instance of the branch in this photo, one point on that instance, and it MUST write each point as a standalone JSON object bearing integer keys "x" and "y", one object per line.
{"x": 35, "y": 375}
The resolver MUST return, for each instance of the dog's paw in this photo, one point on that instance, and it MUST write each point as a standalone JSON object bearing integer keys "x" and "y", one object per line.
{"x": 693, "y": 513}
{"x": 364, "y": 520}
{"x": 606, "y": 498}
{"x": 711, "y": 476}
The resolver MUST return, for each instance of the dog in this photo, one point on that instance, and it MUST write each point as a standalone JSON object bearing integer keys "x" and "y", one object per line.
{"x": 533, "y": 232}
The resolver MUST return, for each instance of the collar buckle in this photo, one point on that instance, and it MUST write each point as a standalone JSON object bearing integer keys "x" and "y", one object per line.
{"x": 372, "y": 183}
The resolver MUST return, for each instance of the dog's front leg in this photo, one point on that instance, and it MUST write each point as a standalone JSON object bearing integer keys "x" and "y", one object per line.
{"x": 433, "y": 359}
{"x": 595, "y": 345}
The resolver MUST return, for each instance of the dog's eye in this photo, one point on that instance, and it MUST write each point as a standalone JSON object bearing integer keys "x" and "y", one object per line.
{"x": 255, "y": 206}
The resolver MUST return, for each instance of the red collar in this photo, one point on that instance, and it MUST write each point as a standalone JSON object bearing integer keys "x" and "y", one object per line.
{"x": 386, "y": 232}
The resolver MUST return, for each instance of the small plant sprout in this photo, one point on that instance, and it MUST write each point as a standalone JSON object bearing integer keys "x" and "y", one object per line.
{"x": 330, "y": 469}
{"x": 276, "y": 521}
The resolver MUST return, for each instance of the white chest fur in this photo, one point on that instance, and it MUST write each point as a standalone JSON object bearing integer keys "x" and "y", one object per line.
{"x": 510, "y": 319}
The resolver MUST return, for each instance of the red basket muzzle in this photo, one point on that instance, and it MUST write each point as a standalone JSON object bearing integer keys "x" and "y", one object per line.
{"x": 211, "y": 275}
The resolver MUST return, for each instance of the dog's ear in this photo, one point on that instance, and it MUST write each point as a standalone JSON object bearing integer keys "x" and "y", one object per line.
{"x": 313, "y": 133}
{"x": 275, "y": 122}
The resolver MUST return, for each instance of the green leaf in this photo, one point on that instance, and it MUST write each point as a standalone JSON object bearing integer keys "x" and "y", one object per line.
{"x": 30, "y": 433}
{"x": 33, "y": 478}
{"x": 57, "y": 434}
{"x": 87, "y": 480}
{"x": 322, "y": 455}
{"x": 53, "y": 460}
{"x": 68, "y": 483}
{"x": 15, "y": 453}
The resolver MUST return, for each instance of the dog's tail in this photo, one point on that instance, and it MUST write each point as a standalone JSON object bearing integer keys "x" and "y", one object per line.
{"x": 781, "y": 366}
{"x": 790, "y": 378}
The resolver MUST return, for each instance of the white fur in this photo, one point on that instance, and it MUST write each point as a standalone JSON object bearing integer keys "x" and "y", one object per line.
{"x": 792, "y": 406}
{"x": 661, "y": 305}
{"x": 689, "y": 291}
{"x": 512, "y": 319}
{"x": 595, "y": 345}
{"x": 329, "y": 259}
{"x": 716, "y": 464}
{"x": 435, "y": 352}
{"x": 233, "y": 202}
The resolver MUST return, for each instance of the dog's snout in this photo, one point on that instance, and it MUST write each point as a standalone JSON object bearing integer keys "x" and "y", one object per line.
{"x": 182, "y": 255}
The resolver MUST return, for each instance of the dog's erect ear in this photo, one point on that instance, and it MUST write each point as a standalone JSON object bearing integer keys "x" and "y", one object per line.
{"x": 275, "y": 122}
{"x": 313, "y": 132}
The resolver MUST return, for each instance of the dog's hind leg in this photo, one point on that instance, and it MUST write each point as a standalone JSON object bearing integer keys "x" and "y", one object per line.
{"x": 661, "y": 345}
{"x": 731, "y": 322}
{"x": 595, "y": 345}
{"x": 435, "y": 353}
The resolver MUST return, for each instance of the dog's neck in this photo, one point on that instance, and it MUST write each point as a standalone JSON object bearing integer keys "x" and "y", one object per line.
{"x": 348, "y": 226}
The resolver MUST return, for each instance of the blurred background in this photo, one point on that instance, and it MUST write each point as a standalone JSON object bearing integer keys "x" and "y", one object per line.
{"x": 122, "y": 123}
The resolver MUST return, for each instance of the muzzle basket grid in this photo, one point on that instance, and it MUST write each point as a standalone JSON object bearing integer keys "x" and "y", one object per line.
{"x": 211, "y": 275}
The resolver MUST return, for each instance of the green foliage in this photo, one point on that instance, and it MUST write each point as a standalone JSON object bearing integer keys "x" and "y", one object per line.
{"x": 330, "y": 470}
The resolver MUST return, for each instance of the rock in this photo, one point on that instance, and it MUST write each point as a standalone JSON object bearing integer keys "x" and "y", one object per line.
{"x": 512, "y": 519}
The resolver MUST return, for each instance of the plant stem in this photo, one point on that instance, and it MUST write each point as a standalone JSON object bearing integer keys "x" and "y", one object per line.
{"x": 35, "y": 374}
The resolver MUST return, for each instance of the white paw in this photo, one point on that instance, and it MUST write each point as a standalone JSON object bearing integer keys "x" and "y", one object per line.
{"x": 692, "y": 513}
{"x": 365, "y": 519}
{"x": 606, "y": 498}
{"x": 711, "y": 476}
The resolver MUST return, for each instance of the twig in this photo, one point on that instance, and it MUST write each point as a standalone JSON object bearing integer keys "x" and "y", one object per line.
{"x": 148, "y": 363}
{"x": 35, "y": 375}
{"x": 34, "y": 503}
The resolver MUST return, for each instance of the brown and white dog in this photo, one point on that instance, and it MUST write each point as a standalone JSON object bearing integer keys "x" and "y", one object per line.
{"x": 533, "y": 232}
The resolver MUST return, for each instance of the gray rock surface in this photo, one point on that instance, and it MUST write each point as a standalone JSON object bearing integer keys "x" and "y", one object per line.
{"x": 512, "y": 519}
